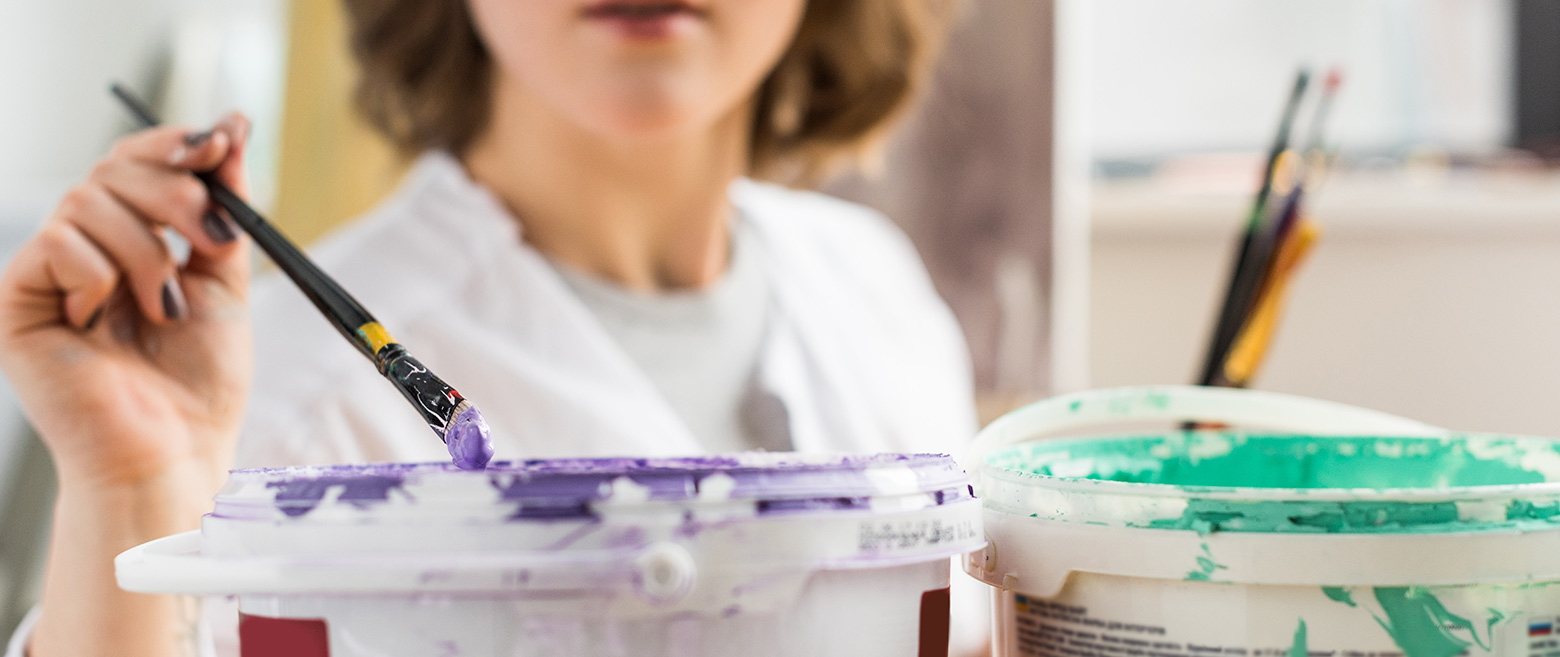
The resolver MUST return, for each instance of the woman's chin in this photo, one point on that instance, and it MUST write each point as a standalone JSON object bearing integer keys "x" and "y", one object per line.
{"x": 649, "y": 124}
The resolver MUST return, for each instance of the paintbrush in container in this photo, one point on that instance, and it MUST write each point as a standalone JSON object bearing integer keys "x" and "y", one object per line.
{"x": 1309, "y": 165}
{"x": 452, "y": 417}
{"x": 1254, "y": 251}
{"x": 1293, "y": 235}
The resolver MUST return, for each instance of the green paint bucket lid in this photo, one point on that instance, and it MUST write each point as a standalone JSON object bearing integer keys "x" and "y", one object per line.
{"x": 1302, "y": 478}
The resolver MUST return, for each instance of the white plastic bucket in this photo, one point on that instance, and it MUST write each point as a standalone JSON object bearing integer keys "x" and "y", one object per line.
{"x": 1345, "y": 533}
{"x": 744, "y": 555}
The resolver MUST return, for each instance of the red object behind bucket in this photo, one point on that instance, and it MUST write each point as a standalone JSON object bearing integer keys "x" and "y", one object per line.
{"x": 936, "y": 606}
{"x": 259, "y": 636}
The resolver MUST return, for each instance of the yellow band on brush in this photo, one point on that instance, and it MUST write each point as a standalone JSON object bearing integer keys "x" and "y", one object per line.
{"x": 375, "y": 335}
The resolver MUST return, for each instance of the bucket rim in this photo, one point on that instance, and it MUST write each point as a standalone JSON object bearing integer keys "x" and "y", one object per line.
{"x": 729, "y": 462}
{"x": 1273, "y": 494}
{"x": 546, "y": 490}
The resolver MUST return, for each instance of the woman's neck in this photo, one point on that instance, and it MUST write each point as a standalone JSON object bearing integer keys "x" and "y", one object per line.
{"x": 649, "y": 216}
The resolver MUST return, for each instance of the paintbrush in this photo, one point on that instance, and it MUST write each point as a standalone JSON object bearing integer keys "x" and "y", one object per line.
{"x": 452, "y": 417}
{"x": 1255, "y": 251}
{"x": 1316, "y": 153}
{"x": 1250, "y": 347}
{"x": 1312, "y": 160}
{"x": 1293, "y": 237}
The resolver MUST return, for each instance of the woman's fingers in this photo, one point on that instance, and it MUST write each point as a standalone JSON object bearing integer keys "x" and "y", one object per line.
{"x": 175, "y": 148}
{"x": 58, "y": 276}
{"x": 170, "y": 197}
{"x": 74, "y": 265}
{"x": 133, "y": 245}
{"x": 150, "y": 172}
{"x": 232, "y": 269}
{"x": 231, "y": 171}
{"x": 106, "y": 232}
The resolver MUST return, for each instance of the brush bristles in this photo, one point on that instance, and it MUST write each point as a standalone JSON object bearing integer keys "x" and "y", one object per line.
{"x": 462, "y": 407}
{"x": 467, "y": 437}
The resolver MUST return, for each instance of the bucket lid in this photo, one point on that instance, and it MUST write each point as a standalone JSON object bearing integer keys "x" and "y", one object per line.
{"x": 1260, "y": 507}
{"x": 551, "y": 489}
{"x": 654, "y": 526}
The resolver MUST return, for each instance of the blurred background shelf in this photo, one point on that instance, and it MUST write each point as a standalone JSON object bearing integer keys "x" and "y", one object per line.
{"x": 1393, "y": 205}
{"x": 1433, "y": 294}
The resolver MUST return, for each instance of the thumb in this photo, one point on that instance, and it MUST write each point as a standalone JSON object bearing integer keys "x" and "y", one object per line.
{"x": 231, "y": 172}
{"x": 231, "y": 270}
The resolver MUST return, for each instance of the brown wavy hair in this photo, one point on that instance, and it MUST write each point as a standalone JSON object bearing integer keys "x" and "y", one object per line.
{"x": 853, "y": 68}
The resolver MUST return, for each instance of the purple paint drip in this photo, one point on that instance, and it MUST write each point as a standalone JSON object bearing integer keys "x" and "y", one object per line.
{"x": 469, "y": 440}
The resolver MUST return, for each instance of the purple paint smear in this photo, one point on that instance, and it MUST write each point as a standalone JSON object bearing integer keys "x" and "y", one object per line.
{"x": 568, "y": 488}
{"x": 468, "y": 439}
{"x": 296, "y": 497}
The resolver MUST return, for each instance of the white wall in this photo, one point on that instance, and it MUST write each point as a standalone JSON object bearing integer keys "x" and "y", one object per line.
{"x": 1170, "y": 76}
{"x": 56, "y": 59}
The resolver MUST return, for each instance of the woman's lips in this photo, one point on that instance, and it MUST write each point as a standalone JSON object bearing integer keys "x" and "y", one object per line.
{"x": 643, "y": 20}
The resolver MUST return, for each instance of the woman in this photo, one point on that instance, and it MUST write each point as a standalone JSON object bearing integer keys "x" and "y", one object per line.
{"x": 577, "y": 249}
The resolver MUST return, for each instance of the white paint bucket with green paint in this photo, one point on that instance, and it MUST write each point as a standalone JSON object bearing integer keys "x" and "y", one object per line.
{"x": 1318, "y": 529}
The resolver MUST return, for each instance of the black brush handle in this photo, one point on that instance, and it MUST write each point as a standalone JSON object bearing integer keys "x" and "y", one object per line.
{"x": 434, "y": 399}
{"x": 340, "y": 308}
{"x": 343, "y": 311}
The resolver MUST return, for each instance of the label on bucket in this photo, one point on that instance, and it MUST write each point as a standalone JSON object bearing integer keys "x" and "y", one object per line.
{"x": 1104, "y": 616}
{"x": 1542, "y": 639}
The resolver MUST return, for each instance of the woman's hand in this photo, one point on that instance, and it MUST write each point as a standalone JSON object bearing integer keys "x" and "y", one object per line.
{"x": 134, "y": 370}
{"x": 127, "y": 364}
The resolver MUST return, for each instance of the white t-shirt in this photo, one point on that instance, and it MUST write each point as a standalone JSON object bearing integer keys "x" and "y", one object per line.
{"x": 700, "y": 348}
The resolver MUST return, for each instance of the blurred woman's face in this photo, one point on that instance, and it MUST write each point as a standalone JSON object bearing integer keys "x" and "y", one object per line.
{"x": 637, "y": 69}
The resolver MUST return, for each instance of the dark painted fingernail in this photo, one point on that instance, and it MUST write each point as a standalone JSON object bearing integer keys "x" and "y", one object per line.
{"x": 173, "y": 300}
{"x": 217, "y": 228}
{"x": 195, "y": 139}
{"x": 93, "y": 320}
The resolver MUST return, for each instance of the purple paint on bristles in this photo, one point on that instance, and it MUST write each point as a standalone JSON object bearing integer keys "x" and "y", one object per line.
{"x": 468, "y": 439}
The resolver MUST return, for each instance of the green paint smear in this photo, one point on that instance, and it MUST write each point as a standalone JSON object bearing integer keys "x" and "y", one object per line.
{"x": 1298, "y": 648}
{"x": 1211, "y": 463}
{"x": 1521, "y": 509}
{"x": 1423, "y": 627}
{"x": 1233, "y": 459}
{"x": 1206, "y": 567}
{"x": 1339, "y": 594}
{"x": 1207, "y": 516}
